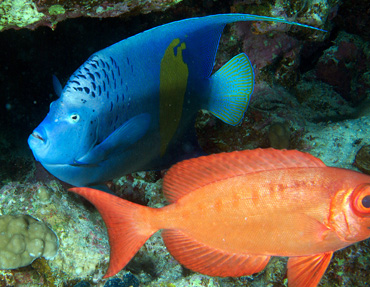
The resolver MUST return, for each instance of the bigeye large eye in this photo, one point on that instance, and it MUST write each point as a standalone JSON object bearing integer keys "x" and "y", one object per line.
{"x": 361, "y": 200}
{"x": 75, "y": 118}
{"x": 366, "y": 201}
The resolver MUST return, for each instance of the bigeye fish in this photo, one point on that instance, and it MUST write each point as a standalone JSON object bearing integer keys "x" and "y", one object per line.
{"x": 230, "y": 212}
{"x": 132, "y": 106}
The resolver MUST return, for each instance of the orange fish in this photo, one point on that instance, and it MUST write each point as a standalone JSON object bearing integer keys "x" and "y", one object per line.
{"x": 231, "y": 212}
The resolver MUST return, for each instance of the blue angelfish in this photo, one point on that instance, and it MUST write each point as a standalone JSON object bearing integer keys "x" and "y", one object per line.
{"x": 132, "y": 106}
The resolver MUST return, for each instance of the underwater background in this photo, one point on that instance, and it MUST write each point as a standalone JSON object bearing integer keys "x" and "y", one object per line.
{"x": 312, "y": 94}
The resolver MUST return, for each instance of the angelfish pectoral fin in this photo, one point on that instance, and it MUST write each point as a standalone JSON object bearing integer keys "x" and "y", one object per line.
{"x": 173, "y": 82}
{"x": 77, "y": 163}
{"x": 307, "y": 270}
{"x": 121, "y": 139}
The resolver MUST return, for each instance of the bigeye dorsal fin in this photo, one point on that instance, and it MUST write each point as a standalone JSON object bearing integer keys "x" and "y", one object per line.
{"x": 57, "y": 86}
{"x": 123, "y": 137}
{"x": 189, "y": 175}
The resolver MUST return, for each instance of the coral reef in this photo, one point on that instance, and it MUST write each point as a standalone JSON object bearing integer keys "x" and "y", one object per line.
{"x": 274, "y": 52}
{"x": 23, "y": 239}
{"x": 31, "y": 13}
{"x": 279, "y": 135}
{"x": 345, "y": 66}
{"x": 270, "y": 104}
{"x": 354, "y": 18}
{"x": 325, "y": 106}
{"x": 79, "y": 232}
{"x": 362, "y": 159}
{"x": 128, "y": 280}
{"x": 322, "y": 100}
{"x": 19, "y": 13}
{"x": 310, "y": 12}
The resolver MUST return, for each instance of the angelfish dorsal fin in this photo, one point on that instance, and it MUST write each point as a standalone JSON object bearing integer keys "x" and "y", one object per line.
{"x": 189, "y": 175}
{"x": 57, "y": 86}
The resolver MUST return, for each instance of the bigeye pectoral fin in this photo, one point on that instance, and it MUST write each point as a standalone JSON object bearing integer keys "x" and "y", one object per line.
{"x": 58, "y": 88}
{"x": 230, "y": 90}
{"x": 121, "y": 139}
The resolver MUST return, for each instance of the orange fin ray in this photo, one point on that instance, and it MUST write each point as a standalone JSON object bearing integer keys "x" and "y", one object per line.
{"x": 121, "y": 219}
{"x": 211, "y": 261}
{"x": 189, "y": 175}
{"x": 306, "y": 271}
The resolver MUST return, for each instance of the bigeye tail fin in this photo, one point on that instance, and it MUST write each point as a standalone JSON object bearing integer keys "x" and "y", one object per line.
{"x": 230, "y": 90}
{"x": 127, "y": 224}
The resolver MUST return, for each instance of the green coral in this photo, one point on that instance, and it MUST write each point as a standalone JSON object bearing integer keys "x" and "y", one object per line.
{"x": 56, "y": 10}
{"x": 23, "y": 239}
{"x": 18, "y": 13}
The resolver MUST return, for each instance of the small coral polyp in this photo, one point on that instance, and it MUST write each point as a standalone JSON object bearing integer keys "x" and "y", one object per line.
{"x": 23, "y": 239}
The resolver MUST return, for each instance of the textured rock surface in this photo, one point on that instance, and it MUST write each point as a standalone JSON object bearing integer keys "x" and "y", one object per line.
{"x": 317, "y": 117}
{"x": 346, "y": 67}
{"x": 79, "y": 232}
{"x": 31, "y": 13}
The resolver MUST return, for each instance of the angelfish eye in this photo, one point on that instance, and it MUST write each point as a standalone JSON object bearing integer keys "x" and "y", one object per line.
{"x": 75, "y": 118}
{"x": 366, "y": 201}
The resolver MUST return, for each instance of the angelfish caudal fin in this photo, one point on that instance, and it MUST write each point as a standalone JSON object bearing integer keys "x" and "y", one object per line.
{"x": 127, "y": 226}
{"x": 230, "y": 89}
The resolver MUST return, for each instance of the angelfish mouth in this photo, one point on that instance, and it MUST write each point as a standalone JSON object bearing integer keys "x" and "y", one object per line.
{"x": 38, "y": 136}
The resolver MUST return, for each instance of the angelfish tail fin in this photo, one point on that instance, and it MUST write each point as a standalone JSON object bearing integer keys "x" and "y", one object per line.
{"x": 128, "y": 227}
{"x": 230, "y": 89}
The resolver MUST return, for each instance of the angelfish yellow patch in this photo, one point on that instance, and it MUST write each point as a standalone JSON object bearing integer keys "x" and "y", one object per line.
{"x": 173, "y": 81}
